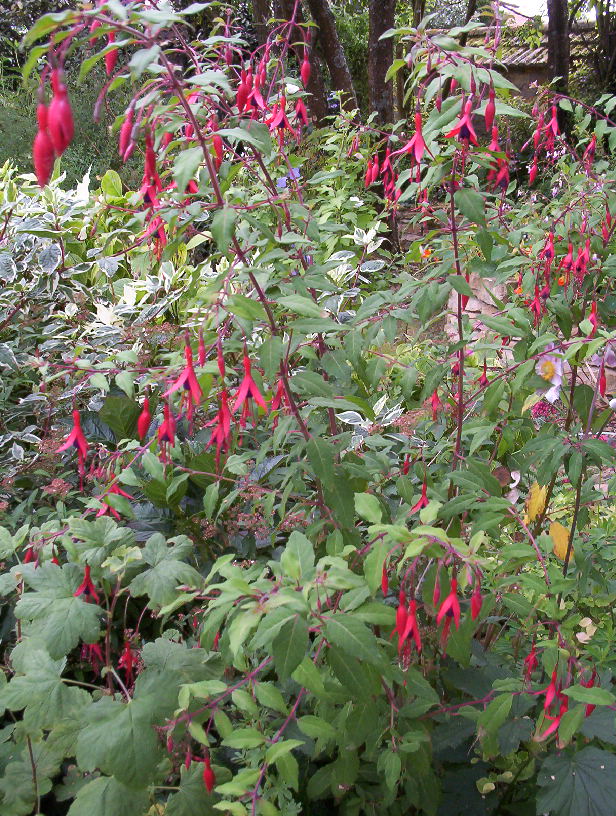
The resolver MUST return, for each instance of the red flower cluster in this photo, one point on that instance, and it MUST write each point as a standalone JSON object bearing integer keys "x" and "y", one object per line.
{"x": 55, "y": 128}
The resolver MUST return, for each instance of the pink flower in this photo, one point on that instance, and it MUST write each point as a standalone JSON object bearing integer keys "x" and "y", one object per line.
{"x": 490, "y": 110}
{"x": 107, "y": 508}
{"x": 423, "y": 499}
{"x": 221, "y": 435}
{"x": 188, "y": 381}
{"x": 77, "y": 440}
{"x": 416, "y": 146}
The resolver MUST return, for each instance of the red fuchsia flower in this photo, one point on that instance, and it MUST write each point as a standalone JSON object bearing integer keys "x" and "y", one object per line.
{"x": 60, "y": 115}
{"x": 490, "y": 110}
{"x": 563, "y": 700}
{"x": 449, "y": 611}
{"x": 247, "y": 390}
{"x": 375, "y": 168}
{"x": 42, "y": 148}
{"x": 566, "y": 265}
{"x": 166, "y": 431}
{"x": 411, "y": 628}
{"x": 384, "y": 580}
{"x": 278, "y": 120}
{"x": 107, "y": 509}
{"x": 464, "y": 131}
{"x": 406, "y": 464}
{"x": 30, "y": 555}
{"x": 502, "y": 177}
{"x": 589, "y": 683}
{"x": 532, "y": 175}
{"x": 91, "y": 652}
{"x": 436, "y": 405}
{"x": 127, "y": 662}
{"x": 145, "y": 419}
{"x": 188, "y": 381}
{"x": 552, "y": 130}
{"x": 221, "y": 435}
{"x": 589, "y": 154}
{"x": 77, "y": 440}
{"x": 401, "y": 616}
{"x": 582, "y": 260}
{"x": 416, "y": 146}
{"x": 593, "y": 319}
{"x": 483, "y": 380}
{"x": 209, "y": 778}
{"x": 243, "y": 90}
{"x": 305, "y": 71}
{"x": 423, "y": 499}
{"x": 86, "y": 587}
{"x": 476, "y": 599}
{"x": 536, "y": 306}
{"x": 368, "y": 176}
{"x": 464, "y": 299}
{"x": 531, "y": 661}
{"x": 301, "y": 114}
{"x": 111, "y": 57}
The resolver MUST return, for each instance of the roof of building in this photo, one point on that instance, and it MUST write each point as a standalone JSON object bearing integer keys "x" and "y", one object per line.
{"x": 522, "y": 47}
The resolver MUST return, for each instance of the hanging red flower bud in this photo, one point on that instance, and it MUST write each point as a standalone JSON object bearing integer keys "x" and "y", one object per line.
{"x": 602, "y": 380}
{"x": 301, "y": 113}
{"x": 589, "y": 153}
{"x": 209, "y": 778}
{"x": 436, "y": 405}
{"x": 305, "y": 71}
{"x": 449, "y": 610}
{"x": 531, "y": 661}
{"x": 111, "y": 57}
{"x": 384, "y": 580}
{"x": 490, "y": 110}
{"x": 532, "y": 175}
{"x": 60, "y": 115}
{"x": 145, "y": 419}
{"x": 42, "y": 148}
{"x": 476, "y": 600}
{"x": 594, "y": 321}
{"x": 125, "y": 134}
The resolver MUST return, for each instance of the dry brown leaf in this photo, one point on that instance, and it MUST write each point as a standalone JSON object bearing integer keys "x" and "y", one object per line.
{"x": 560, "y": 539}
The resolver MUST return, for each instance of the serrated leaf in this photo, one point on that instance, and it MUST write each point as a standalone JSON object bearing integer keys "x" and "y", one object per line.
{"x": 105, "y": 795}
{"x": 581, "y": 783}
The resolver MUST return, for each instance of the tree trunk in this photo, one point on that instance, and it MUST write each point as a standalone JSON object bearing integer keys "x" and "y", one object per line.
{"x": 558, "y": 43}
{"x": 380, "y": 57}
{"x": 261, "y": 13}
{"x": 317, "y": 99}
{"x": 333, "y": 52}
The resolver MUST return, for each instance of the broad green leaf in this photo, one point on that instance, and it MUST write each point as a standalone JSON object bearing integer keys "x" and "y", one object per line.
{"x": 592, "y": 696}
{"x": 368, "y": 507}
{"x": 166, "y": 571}
{"x": 223, "y": 227}
{"x": 297, "y": 559}
{"x": 581, "y": 783}
{"x": 105, "y": 796}
{"x": 290, "y": 646}
{"x": 120, "y": 739}
{"x": 471, "y": 204}
{"x": 352, "y": 636}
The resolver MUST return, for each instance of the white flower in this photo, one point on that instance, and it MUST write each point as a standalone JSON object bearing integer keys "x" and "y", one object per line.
{"x": 550, "y": 368}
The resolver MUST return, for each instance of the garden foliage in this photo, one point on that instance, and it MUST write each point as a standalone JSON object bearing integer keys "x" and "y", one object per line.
{"x": 274, "y": 542}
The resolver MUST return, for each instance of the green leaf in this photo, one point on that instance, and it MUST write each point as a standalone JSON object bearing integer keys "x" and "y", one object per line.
{"x": 368, "y": 507}
{"x": 185, "y": 167}
{"x": 121, "y": 414}
{"x": 120, "y": 739}
{"x": 258, "y": 137}
{"x": 304, "y": 306}
{"x": 142, "y": 58}
{"x": 166, "y": 571}
{"x": 352, "y": 636}
{"x": 244, "y": 738}
{"x": 223, "y": 226}
{"x": 297, "y": 560}
{"x": 290, "y": 646}
{"x": 316, "y": 727}
{"x": 592, "y": 696}
{"x": 579, "y": 783}
{"x": 471, "y": 204}
{"x": 192, "y": 799}
{"x": 321, "y": 456}
{"x": 281, "y": 748}
{"x": 105, "y": 796}
{"x": 62, "y": 619}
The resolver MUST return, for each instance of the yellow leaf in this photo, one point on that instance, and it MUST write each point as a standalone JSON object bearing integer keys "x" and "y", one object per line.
{"x": 536, "y": 500}
{"x": 560, "y": 539}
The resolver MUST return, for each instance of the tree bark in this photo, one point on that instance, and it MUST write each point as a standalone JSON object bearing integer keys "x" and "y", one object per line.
{"x": 380, "y": 57}
{"x": 558, "y": 43}
{"x": 333, "y": 52}
{"x": 317, "y": 98}
{"x": 261, "y": 13}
